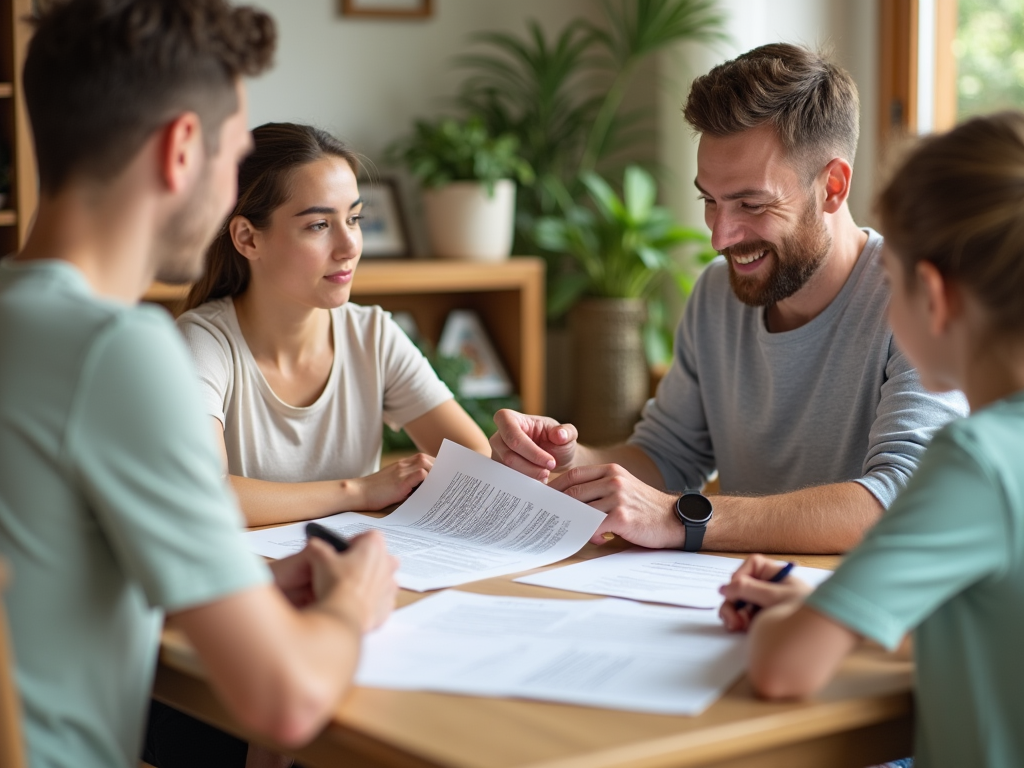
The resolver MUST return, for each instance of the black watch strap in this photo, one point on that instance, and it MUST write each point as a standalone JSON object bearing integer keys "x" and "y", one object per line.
{"x": 694, "y": 536}
{"x": 694, "y": 511}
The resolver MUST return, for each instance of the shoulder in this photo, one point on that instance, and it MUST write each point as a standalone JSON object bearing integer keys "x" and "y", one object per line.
{"x": 210, "y": 329}
{"x": 870, "y": 289}
{"x": 367, "y": 326}
{"x": 214, "y": 317}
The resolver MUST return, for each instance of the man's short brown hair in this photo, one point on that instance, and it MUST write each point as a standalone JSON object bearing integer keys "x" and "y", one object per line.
{"x": 102, "y": 75}
{"x": 811, "y": 103}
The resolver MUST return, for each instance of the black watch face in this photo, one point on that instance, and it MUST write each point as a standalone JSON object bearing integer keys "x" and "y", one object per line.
{"x": 694, "y": 508}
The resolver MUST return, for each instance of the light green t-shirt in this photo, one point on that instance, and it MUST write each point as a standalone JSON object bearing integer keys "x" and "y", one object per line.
{"x": 947, "y": 561}
{"x": 112, "y": 508}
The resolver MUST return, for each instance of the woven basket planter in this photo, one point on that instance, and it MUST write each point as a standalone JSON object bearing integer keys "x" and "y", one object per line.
{"x": 610, "y": 379}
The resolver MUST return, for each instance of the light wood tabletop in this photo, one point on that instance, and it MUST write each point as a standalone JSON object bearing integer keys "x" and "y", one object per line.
{"x": 863, "y": 717}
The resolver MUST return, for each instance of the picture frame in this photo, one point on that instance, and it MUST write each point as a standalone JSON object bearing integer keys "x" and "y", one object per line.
{"x": 385, "y": 234}
{"x": 388, "y": 9}
{"x": 464, "y": 335}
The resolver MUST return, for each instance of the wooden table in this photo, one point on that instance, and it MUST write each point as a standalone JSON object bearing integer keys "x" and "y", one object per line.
{"x": 863, "y": 717}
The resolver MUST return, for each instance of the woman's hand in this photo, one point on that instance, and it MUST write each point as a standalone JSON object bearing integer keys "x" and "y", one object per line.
{"x": 752, "y": 584}
{"x": 391, "y": 484}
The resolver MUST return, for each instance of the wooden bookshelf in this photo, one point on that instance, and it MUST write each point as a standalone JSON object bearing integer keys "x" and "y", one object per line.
{"x": 508, "y": 296}
{"x": 15, "y": 136}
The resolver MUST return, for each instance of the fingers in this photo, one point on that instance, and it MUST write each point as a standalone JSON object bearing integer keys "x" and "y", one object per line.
{"x": 578, "y": 476}
{"x": 561, "y": 434}
{"x": 516, "y": 437}
{"x": 293, "y": 571}
{"x": 514, "y": 461}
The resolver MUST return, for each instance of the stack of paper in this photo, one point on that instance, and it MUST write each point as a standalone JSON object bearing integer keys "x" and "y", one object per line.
{"x": 600, "y": 653}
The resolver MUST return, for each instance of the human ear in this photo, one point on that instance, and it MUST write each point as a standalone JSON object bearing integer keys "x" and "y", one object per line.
{"x": 942, "y": 297}
{"x": 243, "y": 236}
{"x": 182, "y": 154}
{"x": 838, "y": 174}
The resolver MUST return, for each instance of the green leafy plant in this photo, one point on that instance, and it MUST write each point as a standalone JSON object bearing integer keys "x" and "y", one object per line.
{"x": 564, "y": 96}
{"x": 447, "y": 150}
{"x": 450, "y": 369}
{"x": 621, "y": 247}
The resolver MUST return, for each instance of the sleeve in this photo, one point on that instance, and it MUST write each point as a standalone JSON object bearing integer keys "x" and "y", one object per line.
{"x": 411, "y": 386}
{"x": 213, "y": 362}
{"x": 948, "y": 530}
{"x": 143, "y": 453}
{"x": 673, "y": 427}
{"x": 905, "y": 420}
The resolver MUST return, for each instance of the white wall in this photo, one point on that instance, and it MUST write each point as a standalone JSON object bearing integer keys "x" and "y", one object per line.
{"x": 365, "y": 80}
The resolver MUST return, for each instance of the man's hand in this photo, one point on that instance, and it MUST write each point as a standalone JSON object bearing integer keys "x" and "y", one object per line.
{"x": 391, "y": 484}
{"x": 752, "y": 584}
{"x": 358, "y": 584}
{"x": 637, "y": 512}
{"x": 533, "y": 445}
{"x": 294, "y": 576}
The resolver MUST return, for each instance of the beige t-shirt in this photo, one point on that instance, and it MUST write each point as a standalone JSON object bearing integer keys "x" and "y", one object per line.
{"x": 378, "y": 376}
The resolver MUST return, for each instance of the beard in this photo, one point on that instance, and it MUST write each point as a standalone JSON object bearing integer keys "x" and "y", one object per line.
{"x": 797, "y": 257}
{"x": 185, "y": 238}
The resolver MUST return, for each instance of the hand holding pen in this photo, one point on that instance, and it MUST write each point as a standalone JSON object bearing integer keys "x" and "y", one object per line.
{"x": 759, "y": 583}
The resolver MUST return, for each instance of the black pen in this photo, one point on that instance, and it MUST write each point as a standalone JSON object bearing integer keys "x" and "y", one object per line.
{"x": 783, "y": 573}
{"x": 340, "y": 543}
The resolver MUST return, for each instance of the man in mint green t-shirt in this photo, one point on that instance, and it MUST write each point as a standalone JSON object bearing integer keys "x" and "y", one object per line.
{"x": 113, "y": 508}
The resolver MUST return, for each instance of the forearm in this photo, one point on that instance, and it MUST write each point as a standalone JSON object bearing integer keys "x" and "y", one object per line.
{"x": 629, "y": 457}
{"x": 268, "y": 503}
{"x": 794, "y": 650}
{"x": 822, "y": 520}
{"x": 279, "y": 671}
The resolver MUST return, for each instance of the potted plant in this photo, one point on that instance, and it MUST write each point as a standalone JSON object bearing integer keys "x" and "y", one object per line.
{"x": 563, "y": 96}
{"x": 621, "y": 259}
{"x": 468, "y": 178}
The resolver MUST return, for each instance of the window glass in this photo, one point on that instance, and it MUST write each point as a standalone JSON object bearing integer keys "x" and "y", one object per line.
{"x": 989, "y": 50}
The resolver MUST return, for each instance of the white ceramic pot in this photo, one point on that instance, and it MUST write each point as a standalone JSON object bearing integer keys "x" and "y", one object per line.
{"x": 464, "y": 223}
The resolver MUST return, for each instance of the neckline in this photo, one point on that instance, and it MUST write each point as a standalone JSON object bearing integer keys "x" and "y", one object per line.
{"x": 837, "y": 305}
{"x": 261, "y": 380}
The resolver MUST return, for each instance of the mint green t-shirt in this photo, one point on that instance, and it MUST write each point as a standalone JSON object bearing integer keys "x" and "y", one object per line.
{"x": 947, "y": 561}
{"x": 112, "y": 508}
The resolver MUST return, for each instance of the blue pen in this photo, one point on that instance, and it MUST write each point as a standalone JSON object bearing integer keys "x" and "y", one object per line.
{"x": 783, "y": 573}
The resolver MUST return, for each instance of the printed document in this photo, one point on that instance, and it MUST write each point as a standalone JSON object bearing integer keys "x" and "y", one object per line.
{"x": 655, "y": 576}
{"x": 607, "y": 653}
{"x": 471, "y": 519}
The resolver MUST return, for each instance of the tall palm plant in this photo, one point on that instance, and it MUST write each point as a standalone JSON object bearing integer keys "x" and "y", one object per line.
{"x": 563, "y": 97}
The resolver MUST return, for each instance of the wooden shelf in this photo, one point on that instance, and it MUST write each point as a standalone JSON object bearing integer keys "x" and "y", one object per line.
{"x": 508, "y": 296}
{"x": 8, "y": 218}
{"x": 6, "y": 90}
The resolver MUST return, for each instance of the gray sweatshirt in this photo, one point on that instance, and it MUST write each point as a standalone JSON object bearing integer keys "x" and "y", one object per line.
{"x": 831, "y": 401}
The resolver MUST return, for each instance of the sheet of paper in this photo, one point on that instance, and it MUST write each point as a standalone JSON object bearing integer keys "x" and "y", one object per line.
{"x": 601, "y": 653}
{"x": 471, "y": 519}
{"x": 656, "y": 576}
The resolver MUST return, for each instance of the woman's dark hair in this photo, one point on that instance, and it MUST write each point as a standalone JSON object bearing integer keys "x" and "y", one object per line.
{"x": 958, "y": 202}
{"x": 263, "y": 186}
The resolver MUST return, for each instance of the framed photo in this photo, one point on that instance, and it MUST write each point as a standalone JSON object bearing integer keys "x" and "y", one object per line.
{"x": 464, "y": 335}
{"x": 384, "y": 231}
{"x": 388, "y": 9}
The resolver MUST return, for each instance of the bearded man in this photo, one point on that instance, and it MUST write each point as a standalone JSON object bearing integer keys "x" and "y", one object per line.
{"x": 785, "y": 377}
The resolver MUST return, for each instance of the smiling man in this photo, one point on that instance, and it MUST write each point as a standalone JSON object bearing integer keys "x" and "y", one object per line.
{"x": 785, "y": 377}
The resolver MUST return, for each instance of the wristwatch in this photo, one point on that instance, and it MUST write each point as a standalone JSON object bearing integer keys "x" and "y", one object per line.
{"x": 694, "y": 511}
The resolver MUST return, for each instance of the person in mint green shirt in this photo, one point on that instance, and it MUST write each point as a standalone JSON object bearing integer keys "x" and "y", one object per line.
{"x": 114, "y": 510}
{"x": 946, "y": 562}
